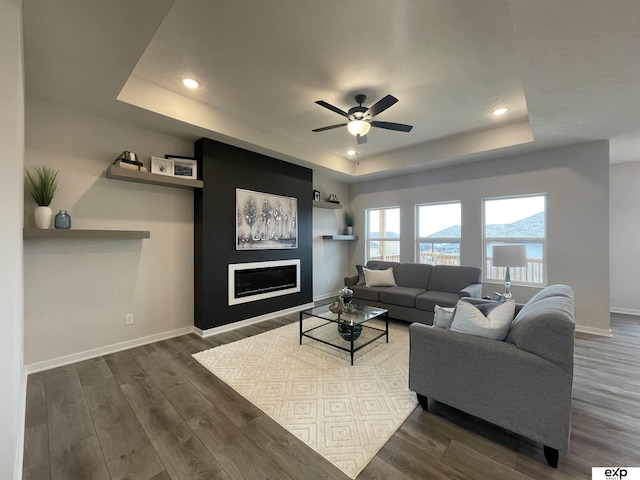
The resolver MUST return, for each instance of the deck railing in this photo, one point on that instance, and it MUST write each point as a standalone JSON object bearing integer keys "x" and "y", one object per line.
{"x": 532, "y": 273}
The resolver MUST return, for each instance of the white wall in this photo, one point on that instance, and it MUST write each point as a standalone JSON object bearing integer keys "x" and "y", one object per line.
{"x": 78, "y": 291}
{"x": 12, "y": 378}
{"x": 576, "y": 181}
{"x": 625, "y": 237}
{"x": 330, "y": 257}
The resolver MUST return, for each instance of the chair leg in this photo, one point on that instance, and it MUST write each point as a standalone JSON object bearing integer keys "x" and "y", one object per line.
{"x": 423, "y": 401}
{"x": 551, "y": 454}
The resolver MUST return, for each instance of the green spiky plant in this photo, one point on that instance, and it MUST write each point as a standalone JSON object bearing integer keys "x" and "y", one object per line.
{"x": 42, "y": 184}
{"x": 349, "y": 218}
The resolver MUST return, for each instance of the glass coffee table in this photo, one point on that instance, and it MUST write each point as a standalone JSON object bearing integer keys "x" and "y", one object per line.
{"x": 349, "y": 331}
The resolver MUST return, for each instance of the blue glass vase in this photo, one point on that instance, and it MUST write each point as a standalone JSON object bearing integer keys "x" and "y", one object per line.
{"x": 62, "y": 220}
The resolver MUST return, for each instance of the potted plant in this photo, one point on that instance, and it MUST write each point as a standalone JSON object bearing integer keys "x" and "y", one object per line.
{"x": 349, "y": 219}
{"x": 43, "y": 185}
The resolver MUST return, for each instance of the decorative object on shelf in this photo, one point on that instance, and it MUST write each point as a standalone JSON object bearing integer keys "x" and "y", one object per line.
{"x": 509, "y": 256}
{"x": 274, "y": 217}
{"x": 62, "y": 220}
{"x": 184, "y": 167}
{"x": 316, "y": 195}
{"x": 333, "y": 198}
{"x": 346, "y": 294}
{"x": 129, "y": 160}
{"x": 347, "y": 330}
{"x": 349, "y": 220}
{"x": 162, "y": 166}
{"x": 42, "y": 185}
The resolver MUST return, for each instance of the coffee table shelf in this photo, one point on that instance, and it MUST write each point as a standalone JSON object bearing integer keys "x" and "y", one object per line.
{"x": 327, "y": 330}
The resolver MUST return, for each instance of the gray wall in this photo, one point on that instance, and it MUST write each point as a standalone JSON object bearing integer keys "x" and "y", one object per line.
{"x": 78, "y": 291}
{"x": 576, "y": 181}
{"x": 11, "y": 274}
{"x": 625, "y": 238}
{"x": 330, "y": 257}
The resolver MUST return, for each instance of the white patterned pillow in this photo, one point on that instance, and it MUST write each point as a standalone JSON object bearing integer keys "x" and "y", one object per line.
{"x": 495, "y": 325}
{"x": 380, "y": 278}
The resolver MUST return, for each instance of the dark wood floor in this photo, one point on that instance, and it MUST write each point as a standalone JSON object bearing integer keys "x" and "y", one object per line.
{"x": 154, "y": 413}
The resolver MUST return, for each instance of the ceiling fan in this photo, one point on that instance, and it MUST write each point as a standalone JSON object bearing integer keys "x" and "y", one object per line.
{"x": 360, "y": 117}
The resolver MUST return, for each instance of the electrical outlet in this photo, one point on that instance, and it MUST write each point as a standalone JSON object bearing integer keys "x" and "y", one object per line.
{"x": 327, "y": 282}
{"x": 128, "y": 319}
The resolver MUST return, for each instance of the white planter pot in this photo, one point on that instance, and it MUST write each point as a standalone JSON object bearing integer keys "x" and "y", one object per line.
{"x": 349, "y": 230}
{"x": 43, "y": 216}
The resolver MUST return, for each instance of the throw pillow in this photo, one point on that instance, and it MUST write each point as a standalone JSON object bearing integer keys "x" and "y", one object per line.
{"x": 361, "y": 280}
{"x": 495, "y": 324}
{"x": 443, "y": 316}
{"x": 380, "y": 278}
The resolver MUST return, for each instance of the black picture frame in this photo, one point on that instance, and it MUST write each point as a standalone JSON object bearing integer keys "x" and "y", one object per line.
{"x": 316, "y": 195}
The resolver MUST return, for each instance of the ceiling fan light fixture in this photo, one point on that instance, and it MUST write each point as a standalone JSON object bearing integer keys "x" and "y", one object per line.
{"x": 358, "y": 127}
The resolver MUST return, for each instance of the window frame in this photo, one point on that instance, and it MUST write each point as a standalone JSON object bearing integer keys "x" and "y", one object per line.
{"x": 419, "y": 239}
{"x": 514, "y": 240}
{"x": 381, "y": 240}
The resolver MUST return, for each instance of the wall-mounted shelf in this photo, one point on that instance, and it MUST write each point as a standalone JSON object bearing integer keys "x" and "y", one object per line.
{"x": 127, "y": 175}
{"x": 328, "y": 205}
{"x": 339, "y": 237}
{"x": 54, "y": 233}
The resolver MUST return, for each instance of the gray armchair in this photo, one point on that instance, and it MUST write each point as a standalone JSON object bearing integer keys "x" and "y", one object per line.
{"x": 523, "y": 384}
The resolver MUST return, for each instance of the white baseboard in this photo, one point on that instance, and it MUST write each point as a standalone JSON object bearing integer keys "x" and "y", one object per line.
{"x": 98, "y": 352}
{"x": 601, "y": 332}
{"x": 19, "y": 460}
{"x": 624, "y": 311}
{"x": 249, "y": 321}
{"x": 324, "y": 296}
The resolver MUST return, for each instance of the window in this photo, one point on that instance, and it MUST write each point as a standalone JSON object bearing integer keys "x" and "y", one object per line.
{"x": 383, "y": 234}
{"x": 516, "y": 221}
{"x": 439, "y": 230}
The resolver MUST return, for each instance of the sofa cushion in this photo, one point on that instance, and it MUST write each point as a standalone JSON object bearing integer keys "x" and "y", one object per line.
{"x": 366, "y": 293}
{"x": 453, "y": 278}
{"x": 495, "y": 324}
{"x": 404, "y": 296}
{"x": 542, "y": 327}
{"x": 557, "y": 290}
{"x": 380, "y": 278}
{"x": 361, "y": 280}
{"x": 443, "y": 316}
{"x": 428, "y": 300}
{"x": 415, "y": 275}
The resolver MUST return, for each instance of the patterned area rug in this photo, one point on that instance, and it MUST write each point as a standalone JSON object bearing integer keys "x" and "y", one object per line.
{"x": 346, "y": 413}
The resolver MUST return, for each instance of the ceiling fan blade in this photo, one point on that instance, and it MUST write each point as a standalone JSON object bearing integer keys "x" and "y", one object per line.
{"x": 362, "y": 139}
{"x": 324, "y": 104}
{"x": 400, "y": 127}
{"x": 381, "y": 105}
{"x": 330, "y": 127}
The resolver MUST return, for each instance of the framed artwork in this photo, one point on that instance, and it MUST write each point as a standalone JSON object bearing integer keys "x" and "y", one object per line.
{"x": 265, "y": 221}
{"x": 316, "y": 195}
{"x": 184, "y": 167}
{"x": 162, "y": 166}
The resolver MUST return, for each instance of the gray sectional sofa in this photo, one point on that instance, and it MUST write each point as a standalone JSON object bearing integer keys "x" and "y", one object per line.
{"x": 420, "y": 288}
{"x": 523, "y": 384}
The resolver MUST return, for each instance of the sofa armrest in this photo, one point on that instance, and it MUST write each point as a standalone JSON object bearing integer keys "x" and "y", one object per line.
{"x": 474, "y": 290}
{"x": 351, "y": 280}
{"x": 493, "y": 380}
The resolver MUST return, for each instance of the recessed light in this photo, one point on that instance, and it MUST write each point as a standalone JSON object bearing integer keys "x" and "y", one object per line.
{"x": 500, "y": 111}
{"x": 351, "y": 153}
{"x": 190, "y": 83}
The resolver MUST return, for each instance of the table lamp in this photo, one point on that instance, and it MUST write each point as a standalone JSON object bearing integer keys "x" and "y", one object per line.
{"x": 509, "y": 256}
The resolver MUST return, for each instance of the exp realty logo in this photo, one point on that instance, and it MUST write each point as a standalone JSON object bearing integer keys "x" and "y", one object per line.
{"x": 615, "y": 473}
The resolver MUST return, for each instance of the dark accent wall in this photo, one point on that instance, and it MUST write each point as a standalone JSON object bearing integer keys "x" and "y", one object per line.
{"x": 223, "y": 169}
